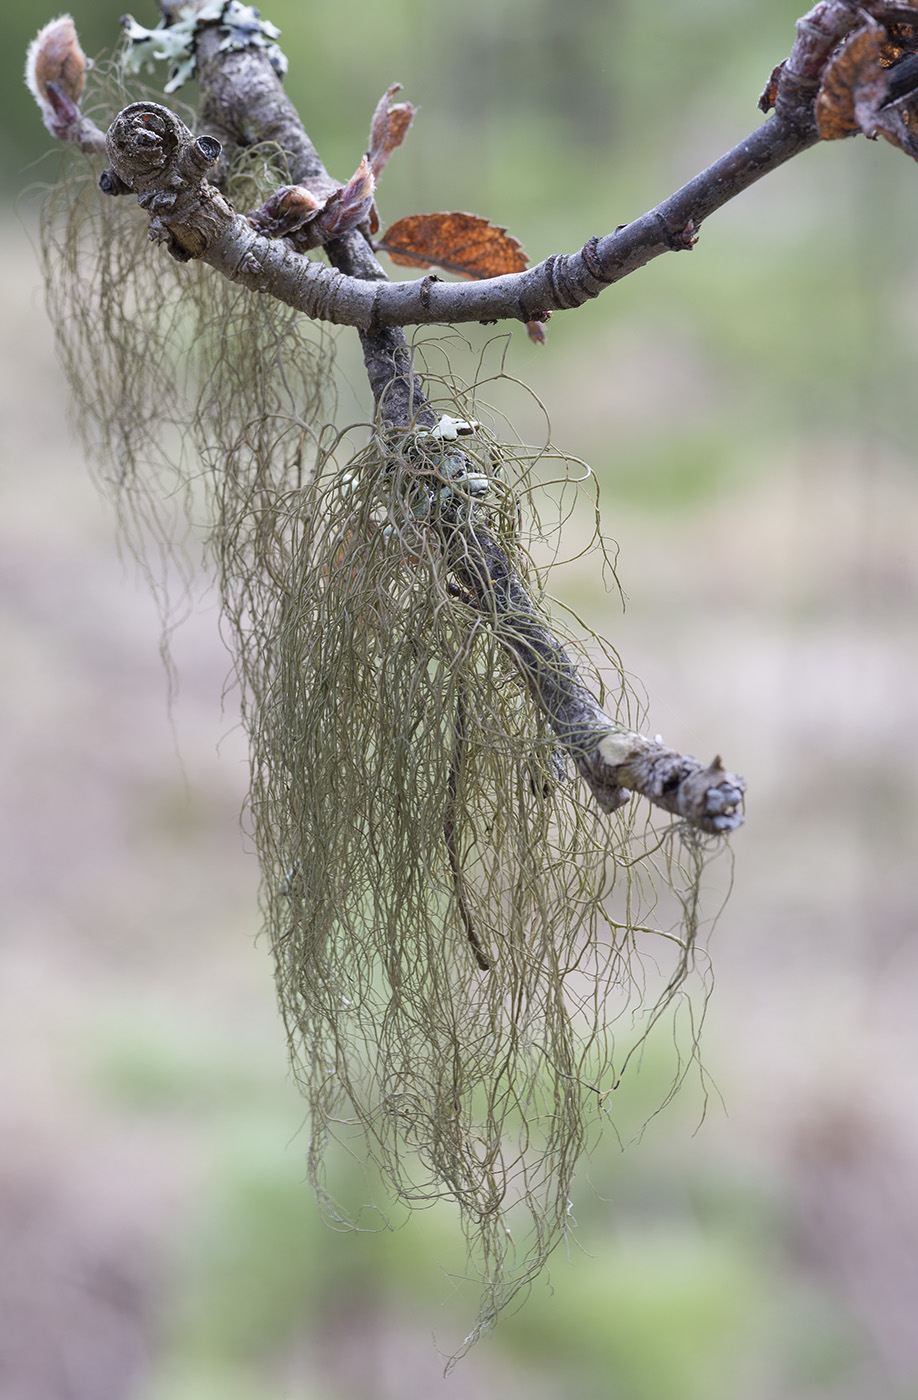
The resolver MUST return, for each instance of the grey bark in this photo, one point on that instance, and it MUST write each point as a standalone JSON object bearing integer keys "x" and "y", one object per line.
{"x": 243, "y": 102}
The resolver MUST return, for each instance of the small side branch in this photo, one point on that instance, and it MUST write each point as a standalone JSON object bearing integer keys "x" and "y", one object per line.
{"x": 613, "y": 761}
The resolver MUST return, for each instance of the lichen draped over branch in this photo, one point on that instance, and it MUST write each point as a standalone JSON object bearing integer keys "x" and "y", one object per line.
{"x": 405, "y": 787}
{"x": 417, "y": 825}
{"x": 468, "y": 951}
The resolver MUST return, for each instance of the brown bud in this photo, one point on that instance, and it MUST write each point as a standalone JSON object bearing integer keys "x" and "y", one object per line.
{"x": 288, "y": 209}
{"x": 56, "y": 74}
{"x": 350, "y": 206}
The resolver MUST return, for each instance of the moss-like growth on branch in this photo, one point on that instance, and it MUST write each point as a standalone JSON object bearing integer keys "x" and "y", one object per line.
{"x": 468, "y": 951}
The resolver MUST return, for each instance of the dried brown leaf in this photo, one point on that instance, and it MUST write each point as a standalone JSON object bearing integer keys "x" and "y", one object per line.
{"x": 461, "y": 243}
{"x": 854, "y": 79}
{"x": 870, "y": 87}
{"x": 389, "y": 127}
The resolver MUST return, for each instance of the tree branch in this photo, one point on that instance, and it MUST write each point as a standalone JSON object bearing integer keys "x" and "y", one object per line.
{"x": 243, "y": 101}
{"x": 612, "y": 761}
{"x": 154, "y": 156}
{"x": 204, "y": 226}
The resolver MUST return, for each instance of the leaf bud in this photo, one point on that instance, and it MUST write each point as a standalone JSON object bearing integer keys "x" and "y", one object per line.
{"x": 55, "y": 75}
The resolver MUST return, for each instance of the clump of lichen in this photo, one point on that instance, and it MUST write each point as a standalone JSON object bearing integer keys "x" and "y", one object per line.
{"x": 467, "y": 951}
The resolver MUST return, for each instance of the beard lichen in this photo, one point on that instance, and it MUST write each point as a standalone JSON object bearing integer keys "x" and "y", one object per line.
{"x": 468, "y": 953}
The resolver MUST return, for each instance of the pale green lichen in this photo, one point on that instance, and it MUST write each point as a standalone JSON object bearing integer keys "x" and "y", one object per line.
{"x": 405, "y": 788}
{"x": 449, "y": 429}
{"x": 175, "y": 43}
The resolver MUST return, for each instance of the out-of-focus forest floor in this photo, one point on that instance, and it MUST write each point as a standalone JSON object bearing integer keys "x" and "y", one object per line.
{"x": 155, "y": 1234}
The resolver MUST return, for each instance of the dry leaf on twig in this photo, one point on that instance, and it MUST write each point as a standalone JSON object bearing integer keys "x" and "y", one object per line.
{"x": 460, "y": 243}
{"x": 872, "y": 86}
{"x": 389, "y": 127}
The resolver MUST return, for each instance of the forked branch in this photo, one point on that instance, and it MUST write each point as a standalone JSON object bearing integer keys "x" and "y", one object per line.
{"x": 204, "y": 226}
{"x": 852, "y": 67}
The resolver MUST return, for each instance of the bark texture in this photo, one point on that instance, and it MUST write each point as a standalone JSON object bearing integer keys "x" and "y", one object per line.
{"x": 613, "y": 761}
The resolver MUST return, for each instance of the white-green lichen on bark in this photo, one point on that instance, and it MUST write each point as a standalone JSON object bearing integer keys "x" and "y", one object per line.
{"x": 240, "y": 27}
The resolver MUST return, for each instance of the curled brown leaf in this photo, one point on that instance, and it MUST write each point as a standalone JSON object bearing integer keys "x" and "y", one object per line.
{"x": 870, "y": 86}
{"x": 464, "y": 244}
{"x": 389, "y": 127}
{"x": 854, "y": 79}
{"x": 461, "y": 243}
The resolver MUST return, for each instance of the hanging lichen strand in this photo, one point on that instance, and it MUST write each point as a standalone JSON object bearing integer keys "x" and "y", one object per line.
{"x": 456, "y": 928}
{"x": 468, "y": 949}
{"x": 199, "y": 406}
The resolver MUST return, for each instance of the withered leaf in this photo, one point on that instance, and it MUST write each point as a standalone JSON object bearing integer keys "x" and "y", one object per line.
{"x": 389, "y": 127}
{"x": 854, "y": 78}
{"x": 864, "y": 90}
{"x": 460, "y": 243}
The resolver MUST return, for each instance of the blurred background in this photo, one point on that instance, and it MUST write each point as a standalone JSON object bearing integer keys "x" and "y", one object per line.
{"x": 750, "y": 413}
